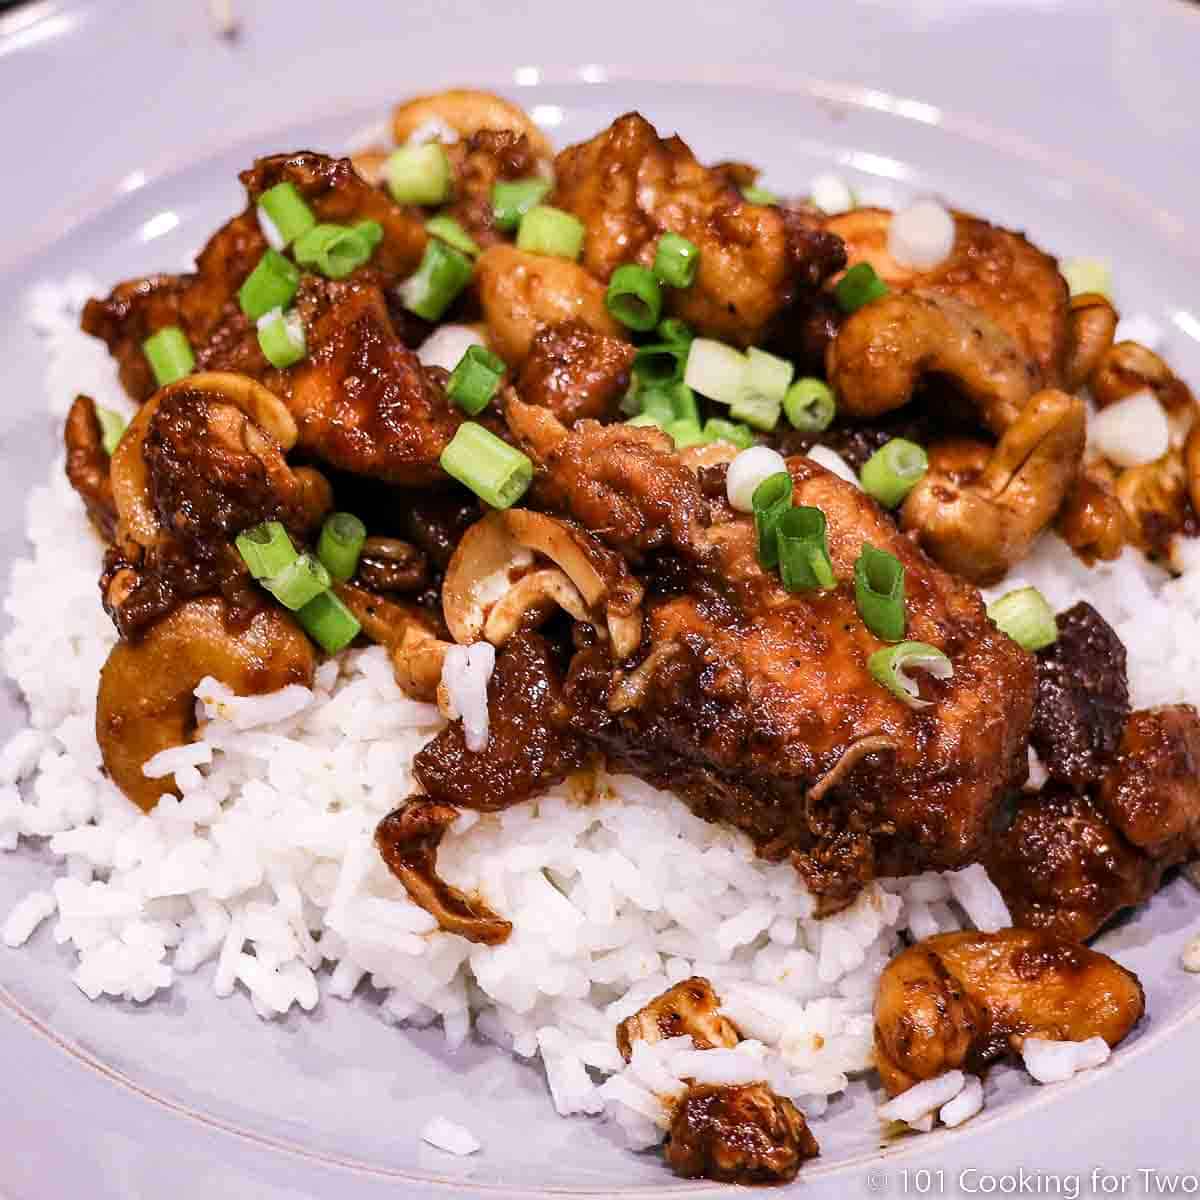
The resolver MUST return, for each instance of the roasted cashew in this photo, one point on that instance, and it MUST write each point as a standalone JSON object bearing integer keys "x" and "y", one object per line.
{"x": 963, "y": 999}
{"x": 978, "y": 519}
{"x": 691, "y": 1007}
{"x": 1128, "y": 367}
{"x": 884, "y": 349}
{"x": 1155, "y": 499}
{"x": 467, "y": 112}
{"x": 1093, "y": 521}
{"x": 145, "y": 702}
{"x": 522, "y": 292}
{"x": 88, "y": 465}
{"x": 1093, "y": 323}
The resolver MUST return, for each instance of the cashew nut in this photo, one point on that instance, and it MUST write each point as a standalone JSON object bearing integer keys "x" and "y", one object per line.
{"x": 1093, "y": 323}
{"x": 978, "y": 518}
{"x": 884, "y": 350}
{"x": 1128, "y": 367}
{"x": 467, "y": 112}
{"x": 145, "y": 702}
{"x": 88, "y": 465}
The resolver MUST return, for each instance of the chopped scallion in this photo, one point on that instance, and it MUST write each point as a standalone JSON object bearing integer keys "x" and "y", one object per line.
{"x": 718, "y": 430}
{"x": 715, "y": 370}
{"x": 757, "y": 410}
{"x": 436, "y": 283}
{"x": 1025, "y": 616}
{"x": 772, "y": 498}
{"x": 546, "y": 230}
{"x": 298, "y": 582}
{"x": 340, "y": 544}
{"x": 271, "y": 284}
{"x": 496, "y": 472}
{"x": 329, "y": 622}
{"x": 685, "y": 432}
{"x": 453, "y": 234}
{"x": 266, "y": 549}
{"x": 286, "y": 210}
{"x": 879, "y": 593}
{"x": 370, "y": 231}
{"x": 512, "y": 199}
{"x": 281, "y": 338}
{"x": 676, "y": 261}
{"x": 112, "y": 426}
{"x": 893, "y": 471}
{"x": 169, "y": 354}
{"x": 804, "y": 564}
{"x": 759, "y": 195}
{"x": 810, "y": 405}
{"x": 634, "y": 297}
{"x": 418, "y": 174}
{"x": 860, "y": 285}
{"x": 333, "y": 250}
{"x": 891, "y": 665}
{"x": 474, "y": 380}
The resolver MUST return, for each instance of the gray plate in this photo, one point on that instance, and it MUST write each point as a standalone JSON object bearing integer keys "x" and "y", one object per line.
{"x": 125, "y": 125}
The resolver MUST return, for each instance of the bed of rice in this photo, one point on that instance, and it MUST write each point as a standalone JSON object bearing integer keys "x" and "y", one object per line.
{"x": 262, "y": 878}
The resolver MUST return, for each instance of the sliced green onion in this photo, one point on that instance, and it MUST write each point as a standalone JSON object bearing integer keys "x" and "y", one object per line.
{"x": 718, "y": 430}
{"x": 512, "y": 199}
{"x": 475, "y": 379}
{"x": 676, "y": 261}
{"x": 893, "y": 471}
{"x": 672, "y": 330}
{"x": 860, "y": 285}
{"x": 890, "y": 667}
{"x": 546, "y": 230}
{"x": 757, "y": 410}
{"x": 298, "y": 582}
{"x": 879, "y": 593}
{"x": 685, "y": 433}
{"x": 658, "y": 404}
{"x": 169, "y": 355}
{"x": 436, "y": 283}
{"x": 644, "y": 419}
{"x": 772, "y": 498}
{"x": 759, "y": 195}
{"x": 112, "y": 426}
{"x": 496, "y": 472}
{"x": 634, "y": 297}
{"x": 281, "y": 338}
{"x": 660, "y": 362}
{"x": 286, "y": 210}
{"x": 370, "y": 231}
{"x": 333, "y": 250}
{"x": 340, "y": 544}
{"x": 453, "y": 234}
{"x": 266, "y": 549}
{"x": 271, "y": 284}
{"x": 1087, "y": 275}
{"x": 804, "y": 564}
{"x": 764, "y": 385}
{"x": 418, "y": 174}
{"x": 810, "y": 405}
{"x": 1026, "y": 617}
{"x": 329, "y": 622}
{"x": 683, "y": 400}
{"x": 715, "y": 370}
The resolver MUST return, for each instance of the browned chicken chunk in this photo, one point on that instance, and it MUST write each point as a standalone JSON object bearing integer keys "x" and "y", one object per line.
{"x": 479, "y": 162}
{"x": 576, "y": 372}
{"x": 742, "y": 1134}
{"x": 966, "y": 999}
{"x": 691, "y": 1007}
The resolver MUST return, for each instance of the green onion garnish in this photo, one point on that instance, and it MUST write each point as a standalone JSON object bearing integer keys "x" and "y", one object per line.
{"x": 772, "y": 498}
{"x": 475, "y": 379}
{"x": 302, "y": 579}
{"x": 890, "y": 667}
{"x": 673, "y": 330}
{"x": 715, "y": 370}
{"x": 644, "y": 419}
{"x": 718, "y": 430}
{"x": 546, "y": 230}
{"x": 764, "y": 385}
{"x": 340, "y": 544}
{"x": 634, "y": 297}
{"x": 418, "y": 174}
{"x": 112, "y": 426}
{"x": 286, "y": 210}
{"x": 169, "y": 355}
{"x": 329, "y": 622}
{"x": 804, "y": 564}
{"x": 659, "y": 362}
{"x": 658, "y": 404}
{"x": 512, "y": 199}
{"x": 686, "y": 433}
{"x": 683, "y": 399}
{"x": 271, "y": 284}
{"x": 1087, "y": 275}
{"x": 676, "y": 261}
{"x": 436, "y": 283}
{"x": 453, "y": 234}
{"x": 759, "y": 195}
{"x": 266, "y": 549}
{"x": 370, "y": 231}
{"x": 333, "y": 250}
{"x": 496, "y": 472}
{"x": 810, "y": 405}
{"x": 1026, "y": 617}
{"x": 860, "y": 285}
{"x": 281, "y": 338}
{"x": 879, "y": 593}
{"x": 893, "y": 471}
{"x": 756, "y": 410}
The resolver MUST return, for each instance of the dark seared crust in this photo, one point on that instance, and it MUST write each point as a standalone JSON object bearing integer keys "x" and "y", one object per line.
{"x": 1082, "y": 698}
{"x": 479, "y": 163}
{"x": 576, "y": 372}
{"x": 744, "y": 1134}
{"x": 87, "y": 465}
{"x": 528, "y": 749}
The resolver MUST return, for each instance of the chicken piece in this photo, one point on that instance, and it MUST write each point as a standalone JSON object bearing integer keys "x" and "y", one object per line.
{"x": 690, "y": 1008}
{"x": 629, "y": 186}
{"x": 87, "y": 465}
{"x": 407, "y": 840}
{"x": 626, "y": 484}
{"x": 964, "y": 999}
{"x": 576, "y": 372}
{"x": 1152, "y": 792}
{"x": 1000, "y": 273}
{"x": 1063, "y": 868}
{"x": 479, "y": 162}
{"x": 362, "y": 400}
{"x": 738, "y": 1134}
{"x": 1082, "y": 698}
{"x": 756, "y": 705}
{"x": 204, "y": 303}
{"x": 528, "y": 747}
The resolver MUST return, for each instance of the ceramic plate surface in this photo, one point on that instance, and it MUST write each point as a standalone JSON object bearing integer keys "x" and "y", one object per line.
{"x": 124, "y": 126}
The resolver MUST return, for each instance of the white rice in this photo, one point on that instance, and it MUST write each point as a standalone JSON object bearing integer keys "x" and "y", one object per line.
{"x": 263, "y": 876}
{"x": 448, "y": 1135}
{"x": 1053, "y": 1062}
